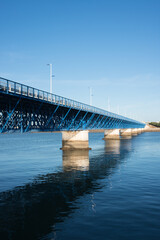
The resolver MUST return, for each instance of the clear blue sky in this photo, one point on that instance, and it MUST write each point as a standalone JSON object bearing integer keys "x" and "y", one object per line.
{"x": 112, "y": 46}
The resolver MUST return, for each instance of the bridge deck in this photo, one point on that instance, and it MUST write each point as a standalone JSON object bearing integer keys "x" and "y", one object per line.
{"x": 26, "y": 108}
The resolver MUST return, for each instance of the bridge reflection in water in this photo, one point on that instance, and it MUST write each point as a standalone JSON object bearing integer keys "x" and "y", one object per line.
{"x": 32, "y": 211}
{"x": 76, "y": 160}
{"x": 112, "y": 146}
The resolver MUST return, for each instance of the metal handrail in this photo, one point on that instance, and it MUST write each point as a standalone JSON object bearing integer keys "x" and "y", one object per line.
{"x": 12, "y": 87}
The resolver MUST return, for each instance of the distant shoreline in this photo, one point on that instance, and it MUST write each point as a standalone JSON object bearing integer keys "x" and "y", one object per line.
{"x": 151, "y": 128}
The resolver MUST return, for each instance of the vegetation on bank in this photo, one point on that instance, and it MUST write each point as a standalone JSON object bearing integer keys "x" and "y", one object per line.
{"x": 155, "y": 124}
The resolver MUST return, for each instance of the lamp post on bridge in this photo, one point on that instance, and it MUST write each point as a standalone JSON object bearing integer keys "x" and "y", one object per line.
{"x": 51, "y": 76}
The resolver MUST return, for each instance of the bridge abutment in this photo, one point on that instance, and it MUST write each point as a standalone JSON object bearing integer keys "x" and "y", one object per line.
{"x": 112, "y": 134}
{"x": 72, "y": 140}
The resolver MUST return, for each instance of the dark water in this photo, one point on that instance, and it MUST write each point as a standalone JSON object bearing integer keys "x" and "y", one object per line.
{"x": 111, "y": 192}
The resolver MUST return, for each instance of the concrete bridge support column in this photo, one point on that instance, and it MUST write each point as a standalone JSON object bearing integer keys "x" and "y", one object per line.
{"x": 126, "y": 133}
{"x": 75, "y": 140}
{"x": 140, "y": 130}
{"x": 112, "y": 134}
{"x": 134, "y": 131}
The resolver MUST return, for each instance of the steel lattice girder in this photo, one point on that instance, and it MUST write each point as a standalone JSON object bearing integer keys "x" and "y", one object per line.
{"x": 26, "y": 114}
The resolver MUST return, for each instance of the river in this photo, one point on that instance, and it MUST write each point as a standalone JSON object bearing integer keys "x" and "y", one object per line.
{"x": 111, "y": 192}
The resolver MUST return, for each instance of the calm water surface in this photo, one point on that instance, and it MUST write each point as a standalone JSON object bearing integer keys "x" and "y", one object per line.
{"x": 110, "y": 192}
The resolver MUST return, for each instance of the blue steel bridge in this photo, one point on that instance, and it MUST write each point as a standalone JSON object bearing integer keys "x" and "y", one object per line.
{"x": 24, "y": 108}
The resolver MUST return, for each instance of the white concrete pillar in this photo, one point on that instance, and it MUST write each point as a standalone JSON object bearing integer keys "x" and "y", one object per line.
{"x": 134, "y": 131}
{"x": 140, "y": 130}
{"x": 126, "y": 133}
{"x": 75, "y": 140}
{"x": 112, "y": 134}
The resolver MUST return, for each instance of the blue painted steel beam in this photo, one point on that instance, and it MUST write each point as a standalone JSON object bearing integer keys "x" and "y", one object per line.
{"x": 104, "y": 122}
{"x": 10, "y": 115}
{"x": 69, "y": 127}
{"x": 81, "y": 121}
{"x": 94, "y": 123}
{"x": 96, "y": 118}
{"x": 100, "y": 122}
{"x": 32, "y": 118}
{"x": 64, "y": 117}
{"x": 90, "y": 119}
{"x": 52, "y": 115}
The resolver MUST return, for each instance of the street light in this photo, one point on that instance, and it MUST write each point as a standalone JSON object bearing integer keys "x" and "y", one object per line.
{"x": 50, "y": 64}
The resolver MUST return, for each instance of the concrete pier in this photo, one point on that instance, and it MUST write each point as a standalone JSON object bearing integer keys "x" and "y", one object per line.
{"x": 126, "y": 133}
{"x": 140, "y": 130}
{"x": 112, "y": 134}
{"x": 134, "y": 132}
{"x": 75, "y": 140}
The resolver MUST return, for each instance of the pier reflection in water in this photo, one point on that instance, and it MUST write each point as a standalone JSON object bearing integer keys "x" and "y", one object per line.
{"x": 118, "y": 147}
{"x": 76, "y": 160}
{"x": 32, "y": 211}
{"x": 126, "y": 137}
{"x": 112, "y": 146}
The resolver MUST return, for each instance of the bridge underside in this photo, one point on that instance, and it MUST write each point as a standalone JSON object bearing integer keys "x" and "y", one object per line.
{"x": 23, "y": 108}
{"x": 26, "y": 114}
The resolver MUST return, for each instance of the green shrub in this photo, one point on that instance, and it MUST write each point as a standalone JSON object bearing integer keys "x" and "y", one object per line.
{"x": 156, "y": 124}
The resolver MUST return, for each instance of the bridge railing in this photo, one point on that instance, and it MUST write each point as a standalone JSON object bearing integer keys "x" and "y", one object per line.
{"x": 11, "y": 87}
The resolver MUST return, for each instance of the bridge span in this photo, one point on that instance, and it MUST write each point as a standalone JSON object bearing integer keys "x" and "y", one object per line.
{"x": 24, "y": 108}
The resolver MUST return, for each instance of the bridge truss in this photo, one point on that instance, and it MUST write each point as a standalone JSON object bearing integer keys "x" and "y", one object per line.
{"x": 24, "y": 108}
